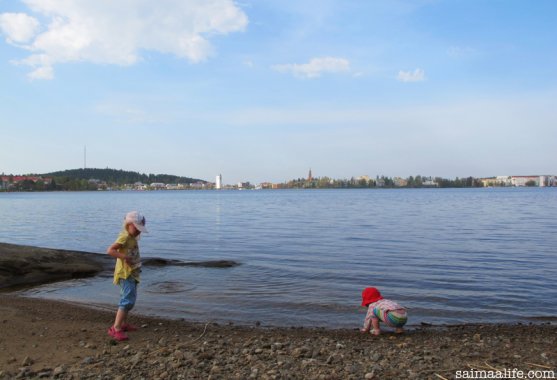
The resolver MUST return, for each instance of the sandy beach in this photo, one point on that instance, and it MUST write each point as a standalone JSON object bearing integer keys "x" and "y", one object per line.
{"x": 50, "y": 339}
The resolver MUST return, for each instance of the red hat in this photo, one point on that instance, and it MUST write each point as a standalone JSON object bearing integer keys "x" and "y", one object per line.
{"x": 370, "y": 295}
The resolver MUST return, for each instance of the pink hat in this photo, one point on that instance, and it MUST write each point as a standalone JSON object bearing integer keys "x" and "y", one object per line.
{"x": 370, "y": 295}
{"x": 137, "y": 219}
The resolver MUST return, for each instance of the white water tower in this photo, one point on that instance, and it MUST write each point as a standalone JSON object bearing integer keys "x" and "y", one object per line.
{"x": 218, "y": 184}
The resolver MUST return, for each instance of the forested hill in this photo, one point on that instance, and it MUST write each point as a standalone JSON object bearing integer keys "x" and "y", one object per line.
{"x": 119, "y": 177}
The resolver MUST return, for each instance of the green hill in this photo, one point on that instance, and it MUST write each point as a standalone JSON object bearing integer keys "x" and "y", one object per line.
{"x": 117, "y": 177}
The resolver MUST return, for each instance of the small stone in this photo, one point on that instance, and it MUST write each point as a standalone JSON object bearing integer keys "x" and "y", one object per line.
{"x": 59, "y": 371}
{"x": 88, "y": 360}
{"x": 370, "y": 375}
{"x": 477, "y": 337}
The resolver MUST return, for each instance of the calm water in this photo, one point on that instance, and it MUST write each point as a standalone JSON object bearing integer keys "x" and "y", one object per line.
{"x": 450, "y": 256}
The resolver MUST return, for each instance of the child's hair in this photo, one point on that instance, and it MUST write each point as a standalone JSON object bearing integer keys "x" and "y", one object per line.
{"x": 370, "y": 295}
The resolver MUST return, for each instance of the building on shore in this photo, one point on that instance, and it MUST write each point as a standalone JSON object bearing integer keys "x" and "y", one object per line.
{"x": 218, "y": 182}
{"x": 520, "y": 181}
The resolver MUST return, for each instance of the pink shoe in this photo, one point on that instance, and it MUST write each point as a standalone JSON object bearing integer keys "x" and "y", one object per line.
{"x": 118, "y": 335}
{"x": 128, "y": 327}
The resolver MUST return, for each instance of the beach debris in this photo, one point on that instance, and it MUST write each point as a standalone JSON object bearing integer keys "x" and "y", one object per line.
{"x": 27, "y": 361}
{"x": 441, "y": 377}
{"x": 539, "y": 365}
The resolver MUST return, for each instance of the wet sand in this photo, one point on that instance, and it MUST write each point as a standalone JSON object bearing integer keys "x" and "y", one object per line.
{"x": 50, "y": 339}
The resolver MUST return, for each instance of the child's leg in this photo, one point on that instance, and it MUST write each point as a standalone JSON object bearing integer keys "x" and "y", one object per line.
{"x": 121, "y": 316}
{"x": 397, "y": 319}
{"x": 128, "y": 294}
{"x": 375, "y": 323}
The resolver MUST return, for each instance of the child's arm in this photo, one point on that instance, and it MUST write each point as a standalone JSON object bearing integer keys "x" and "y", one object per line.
{"x": 367, "y": 321}
{"x": 114, "y": 251}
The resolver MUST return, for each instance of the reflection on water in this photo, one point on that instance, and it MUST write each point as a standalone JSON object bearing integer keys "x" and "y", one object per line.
{"x": 450, "y": 256}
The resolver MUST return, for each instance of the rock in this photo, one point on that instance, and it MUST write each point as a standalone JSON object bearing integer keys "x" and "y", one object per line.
{"x": 59, "y": 371}
{"x": 300, "y": 352}
{"x": 88, "y": 360}
{"x": 370, "y": 375}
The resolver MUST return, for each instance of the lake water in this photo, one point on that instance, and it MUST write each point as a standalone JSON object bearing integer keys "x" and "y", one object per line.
{"x": 449, "y": 255}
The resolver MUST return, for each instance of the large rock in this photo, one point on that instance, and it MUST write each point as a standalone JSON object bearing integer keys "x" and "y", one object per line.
{"x": 22, "y": 266}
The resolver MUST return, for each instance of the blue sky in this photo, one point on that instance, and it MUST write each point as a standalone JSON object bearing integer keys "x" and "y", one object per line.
{"x": 265, "y": 90}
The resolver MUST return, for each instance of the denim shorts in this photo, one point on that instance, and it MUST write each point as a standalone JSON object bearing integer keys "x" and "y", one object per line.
{"x": 128, "y": 293}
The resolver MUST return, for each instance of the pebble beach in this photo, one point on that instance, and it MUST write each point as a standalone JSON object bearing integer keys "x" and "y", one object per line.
{"x": 50, "y": 339}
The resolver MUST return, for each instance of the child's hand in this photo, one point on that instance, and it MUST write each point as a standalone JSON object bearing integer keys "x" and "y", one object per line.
{"x": 363, "y": 331}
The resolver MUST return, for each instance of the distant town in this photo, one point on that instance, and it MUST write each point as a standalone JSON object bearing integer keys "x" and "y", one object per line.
{"x": 110, "y": 179}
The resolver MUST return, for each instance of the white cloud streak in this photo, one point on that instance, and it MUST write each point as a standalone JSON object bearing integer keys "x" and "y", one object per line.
{"x": 417, "y": 75}
{"x": 315, "y": 67}
{"x": 115, "y": 32}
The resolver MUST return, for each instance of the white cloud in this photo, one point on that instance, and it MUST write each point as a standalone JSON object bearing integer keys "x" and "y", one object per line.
{"x": 417, "y": 75}
{"x": 43, "y": 72}
{"x": 315, "y": 67}
{"x": 115, "y": 32}
{"x": 18, "y": 27}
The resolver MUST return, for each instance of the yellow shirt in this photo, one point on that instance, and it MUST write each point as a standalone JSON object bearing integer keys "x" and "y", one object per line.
{"x": 130, "y": 248}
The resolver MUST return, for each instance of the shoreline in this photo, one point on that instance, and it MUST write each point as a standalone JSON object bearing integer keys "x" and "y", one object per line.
{"x": 54, "y": 339}
{"x": 44, "y": 338}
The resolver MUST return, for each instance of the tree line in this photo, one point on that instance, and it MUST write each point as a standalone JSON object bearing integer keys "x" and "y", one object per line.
{"x": 90, "y": 179}
{"x": 383, "y": 182}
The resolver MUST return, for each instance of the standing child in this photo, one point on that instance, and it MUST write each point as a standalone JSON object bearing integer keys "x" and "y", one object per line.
{"x": 126, "y": 271}
{"x": 380, "y": 309}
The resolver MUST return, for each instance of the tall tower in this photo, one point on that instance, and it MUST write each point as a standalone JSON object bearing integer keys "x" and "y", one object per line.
{"x": 218, "y": 184}
{"x": 310, "y": 177}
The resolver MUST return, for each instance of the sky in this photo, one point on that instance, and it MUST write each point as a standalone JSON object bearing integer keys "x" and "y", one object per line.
{"x": 265, "y": 90}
